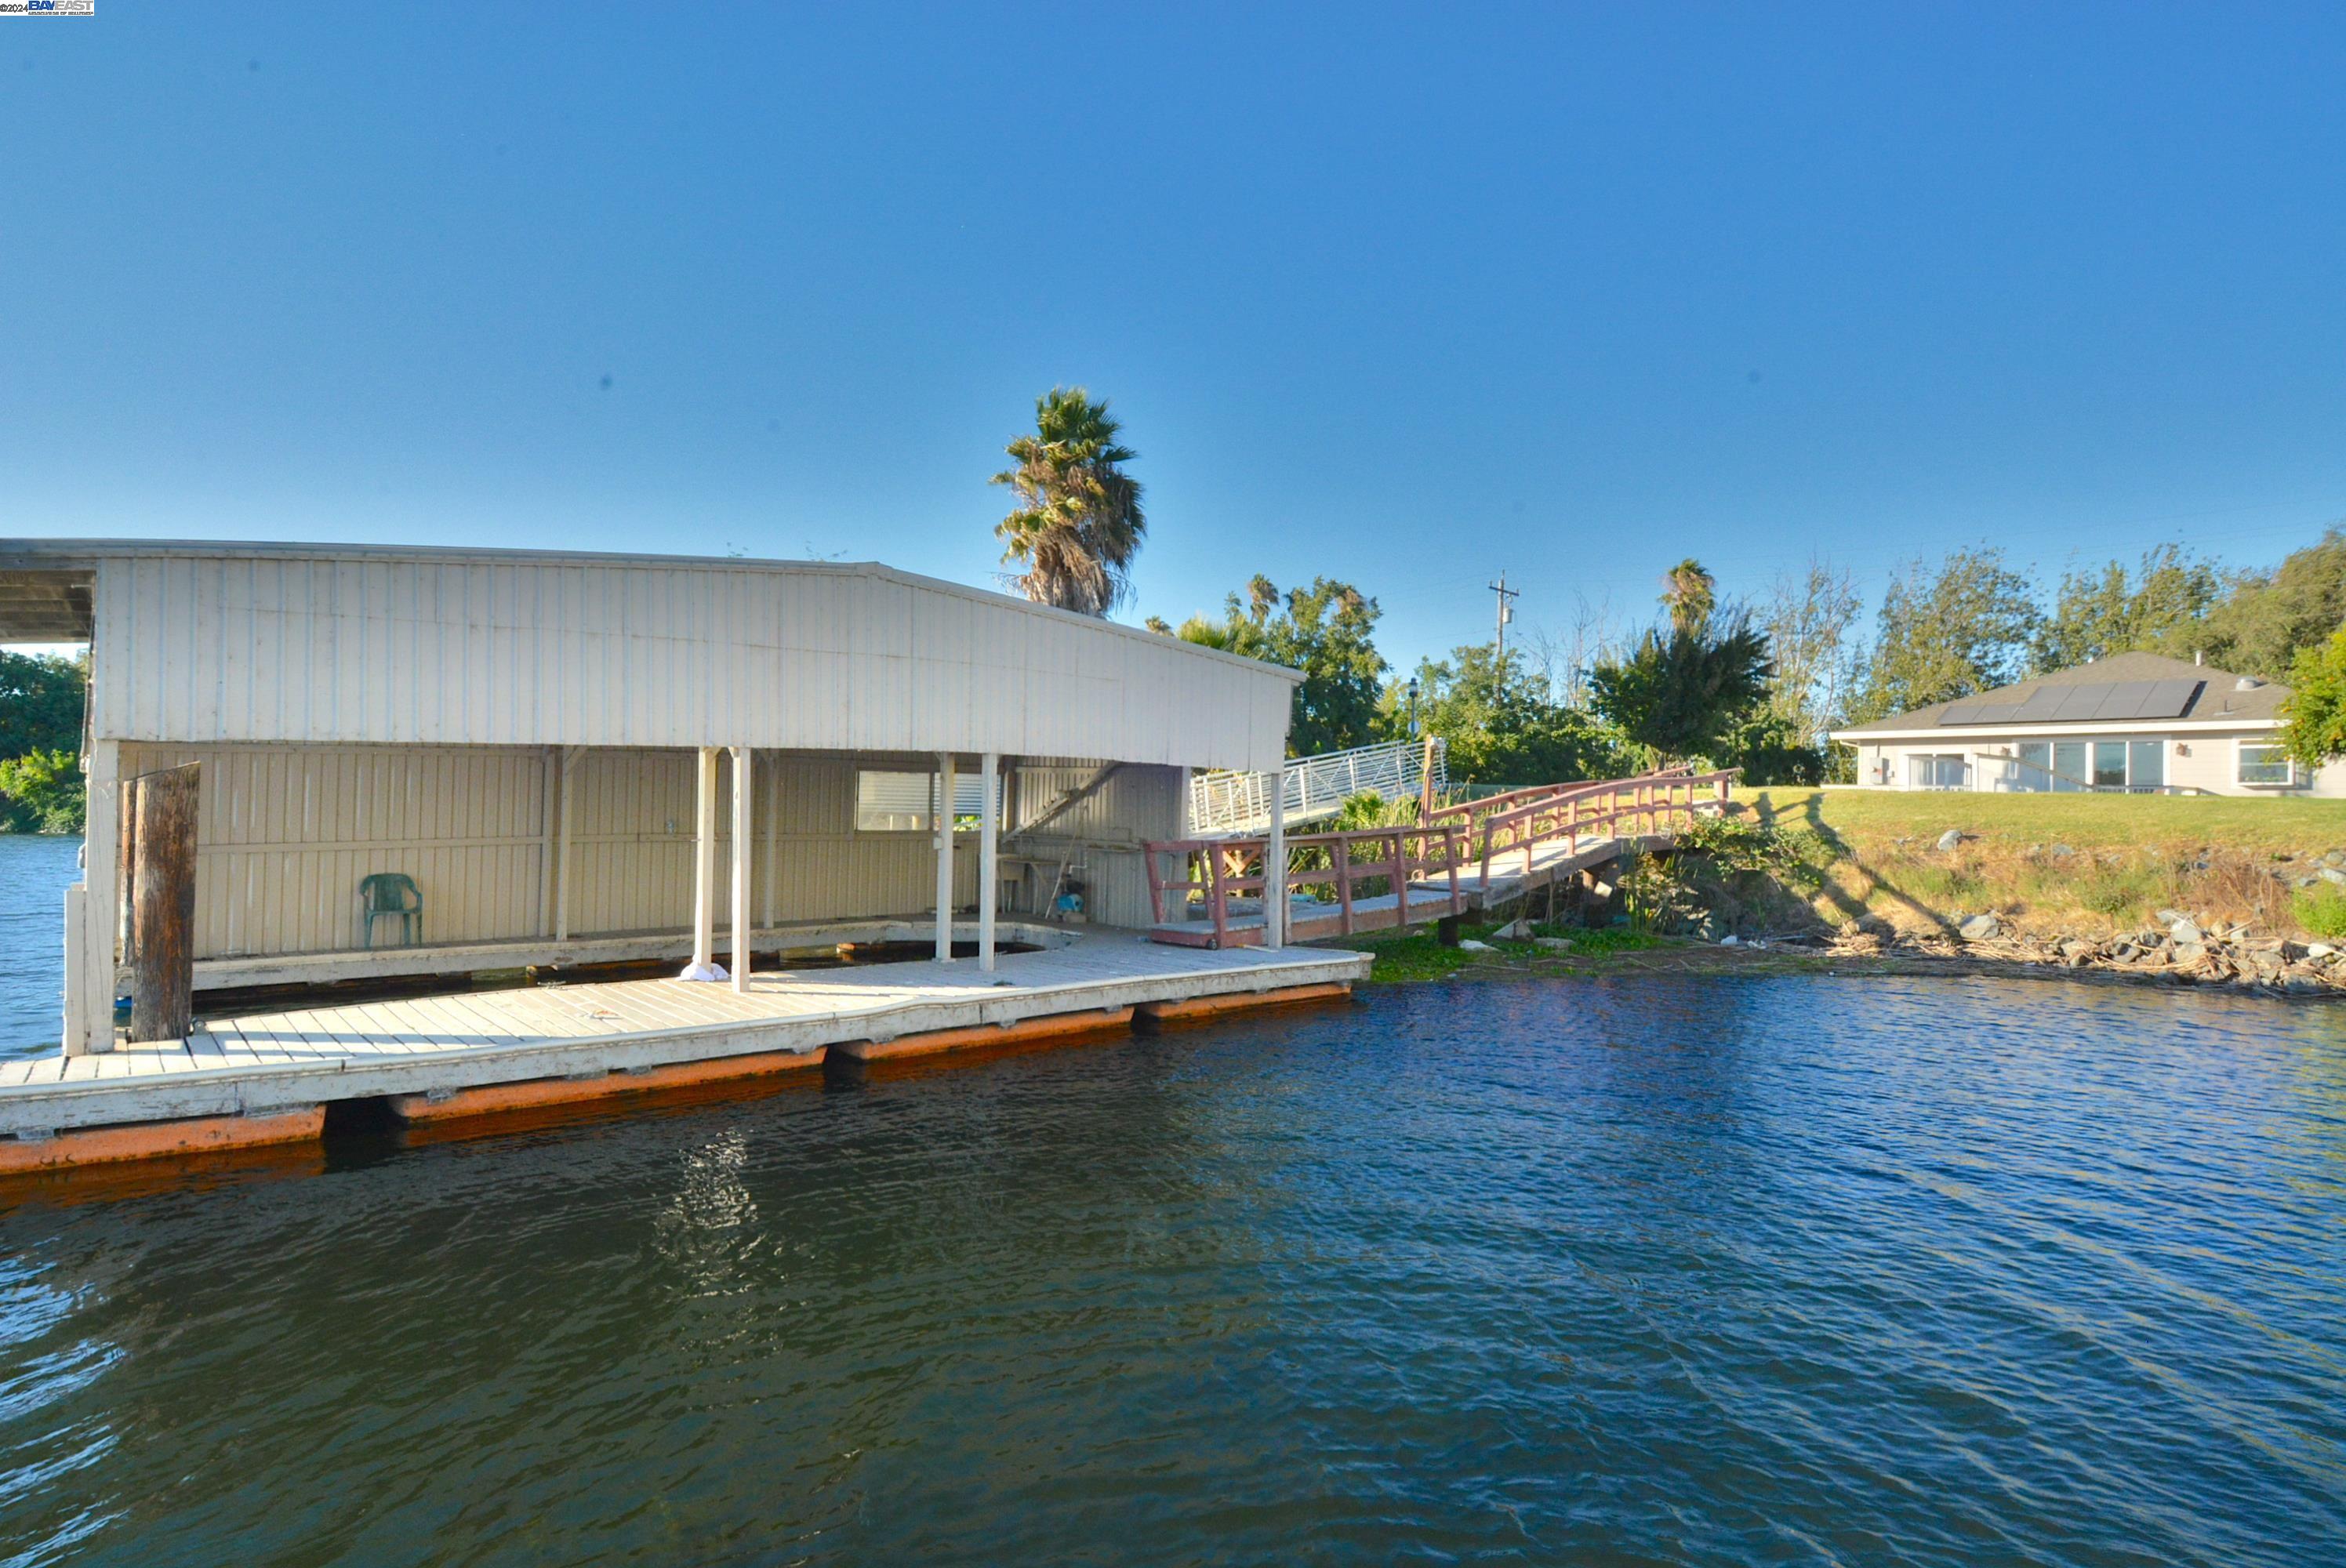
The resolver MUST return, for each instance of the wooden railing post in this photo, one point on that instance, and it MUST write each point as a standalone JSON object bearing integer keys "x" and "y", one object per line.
{"x": 1341, "y": 855}
{"x": 1400, "y": 876}
{"x": 1450, "y": 851}
{"x": 1218, "y": 898}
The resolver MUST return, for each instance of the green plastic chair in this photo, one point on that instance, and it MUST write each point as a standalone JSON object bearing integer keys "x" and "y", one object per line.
{"x": 387, "y": 894}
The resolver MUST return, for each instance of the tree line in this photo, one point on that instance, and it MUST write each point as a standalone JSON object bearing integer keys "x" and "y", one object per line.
{"x": 1758, "y": 684}
{"x": 1755, "y": 683}
{"x": 41, "y": 700}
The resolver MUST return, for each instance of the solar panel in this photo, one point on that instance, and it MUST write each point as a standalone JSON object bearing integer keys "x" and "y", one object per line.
{"x": 2171, "y": 698}
{"x": 2093, "y": 702}
{"x": 2041, "y": 706}
{"x": 2124, "y": 700}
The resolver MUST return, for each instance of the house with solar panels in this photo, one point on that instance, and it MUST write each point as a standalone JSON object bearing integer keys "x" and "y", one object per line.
{"x": 2133, "y": 723}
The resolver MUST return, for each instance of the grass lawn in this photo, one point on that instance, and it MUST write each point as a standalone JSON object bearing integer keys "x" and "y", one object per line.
{"x": 1865, "y": 817}
{"x": 2078, "y": 862}
{"x": 2091, "y": 864}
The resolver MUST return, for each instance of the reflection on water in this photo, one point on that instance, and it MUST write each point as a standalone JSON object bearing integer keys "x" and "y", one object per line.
{"x": 1665, "y": 1271}
{"x": 35, "y": 872}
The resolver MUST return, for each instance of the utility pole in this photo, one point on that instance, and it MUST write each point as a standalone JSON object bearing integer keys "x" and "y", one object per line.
{"x": 1506, "y": 614}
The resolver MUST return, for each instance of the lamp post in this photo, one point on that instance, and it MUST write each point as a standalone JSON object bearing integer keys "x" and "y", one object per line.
{"x": 1413, "y": 705}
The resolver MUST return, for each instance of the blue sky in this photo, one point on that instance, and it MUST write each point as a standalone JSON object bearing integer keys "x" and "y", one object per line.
{"x": 1406, "y": 298}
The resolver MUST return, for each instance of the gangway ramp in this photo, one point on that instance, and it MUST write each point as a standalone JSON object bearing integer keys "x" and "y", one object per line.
{"x": 1471, "y": 857}
{"x": 1315, "y": 788}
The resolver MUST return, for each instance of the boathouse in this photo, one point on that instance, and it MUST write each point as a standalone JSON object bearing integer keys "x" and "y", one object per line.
{"x": 439, "y": 761}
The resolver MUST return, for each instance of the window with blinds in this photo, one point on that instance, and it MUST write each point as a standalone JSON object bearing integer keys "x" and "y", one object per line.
{"x": 889, "y": 802}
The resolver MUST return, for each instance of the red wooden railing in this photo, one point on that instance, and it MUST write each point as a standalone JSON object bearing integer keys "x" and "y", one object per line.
{"x": 1472, "y": 814}
{"x": 1650, "y": 802}
{"x": 1232, "y": 867}
{"x": 1220, "y": 870}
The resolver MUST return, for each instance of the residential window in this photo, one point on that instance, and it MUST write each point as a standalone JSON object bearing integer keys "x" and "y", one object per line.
{"x": 2147, "y": 765}
{"x": 2069, "y": 765}
{"x": 2035, "y": 764}
{"x": 1926, "y": 771}
{"x": 892, "y": 802}
{"x": 2264, "y": 762}
{"x": 2109, "y": 764}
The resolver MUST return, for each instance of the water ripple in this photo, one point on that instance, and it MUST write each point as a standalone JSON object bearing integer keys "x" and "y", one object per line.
{"x": 1650, "y": 1271}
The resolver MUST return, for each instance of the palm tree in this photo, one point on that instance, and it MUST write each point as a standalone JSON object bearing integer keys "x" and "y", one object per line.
{"x": 1262, "y": 596}
{"x": 1078, "y": 523}
{"x": 1689, "y": 593}
{"x": 1681, "y": 692}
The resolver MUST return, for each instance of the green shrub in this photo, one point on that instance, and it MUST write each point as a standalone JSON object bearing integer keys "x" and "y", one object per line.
{"x": 1604, "y": 939}
{"x": 2322, "y": 912}
{"x": 1745, "y": 844}
{"x": 44, "y": 792}
{"x": 2117, "y": 892}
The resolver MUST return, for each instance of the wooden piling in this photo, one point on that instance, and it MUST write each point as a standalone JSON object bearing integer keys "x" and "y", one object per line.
{"x": 163, "y": 904}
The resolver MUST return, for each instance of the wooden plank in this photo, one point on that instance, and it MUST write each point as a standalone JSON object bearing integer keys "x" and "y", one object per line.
{"x": 363, "y": 1028}
{"x": 298, "y": 1036}
{"x": 708, "y": 1004}
{"x": 426, "y": 1031}
{"x": 452, "y": 1023}
{"x": 534, "y": 1010}
{"x": 650, "y": 1008}
{"x": 258, "y": 1048}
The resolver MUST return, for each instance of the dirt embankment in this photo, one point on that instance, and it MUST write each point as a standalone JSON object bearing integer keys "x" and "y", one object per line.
{"x": 2271, "y": 917}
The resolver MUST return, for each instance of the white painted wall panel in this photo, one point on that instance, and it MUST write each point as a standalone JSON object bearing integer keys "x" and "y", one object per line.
{"x": 1103, "y": 831}
{"x": 284, "y": 834}
{"x": 368, "y": 648}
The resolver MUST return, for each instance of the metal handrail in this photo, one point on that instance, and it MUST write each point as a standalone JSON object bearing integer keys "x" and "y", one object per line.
{"x": 1234, "y": 802}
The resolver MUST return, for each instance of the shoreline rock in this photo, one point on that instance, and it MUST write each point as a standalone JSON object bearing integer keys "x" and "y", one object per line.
{"x": 2186, "y": 951}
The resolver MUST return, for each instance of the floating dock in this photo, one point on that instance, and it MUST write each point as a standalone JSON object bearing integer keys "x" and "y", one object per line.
{"x": 265, "y": 1077}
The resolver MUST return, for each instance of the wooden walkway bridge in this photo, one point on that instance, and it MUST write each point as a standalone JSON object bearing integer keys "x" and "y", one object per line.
{"x": 1470, "y": 857}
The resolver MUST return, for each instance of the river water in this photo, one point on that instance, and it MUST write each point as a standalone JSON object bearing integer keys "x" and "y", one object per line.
{"x": 33, "y": 872}
{"x": 1639, "y": 1271}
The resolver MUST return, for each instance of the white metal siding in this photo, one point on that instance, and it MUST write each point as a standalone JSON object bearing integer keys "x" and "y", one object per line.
{"x": 284, "y": 647}
{"x": 284, "y": 833}
{"x": 1103, "y": 831}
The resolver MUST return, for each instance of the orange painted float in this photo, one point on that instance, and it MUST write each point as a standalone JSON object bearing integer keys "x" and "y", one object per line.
{"x": 1206, "y": 1009}
{"x": 159, "y": 1140}
{"x": 1060, "y": 1028}
{"x": 542, "y": 1093}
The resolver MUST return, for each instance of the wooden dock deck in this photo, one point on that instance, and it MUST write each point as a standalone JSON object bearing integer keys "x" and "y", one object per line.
{"x": 269, "y": 1062}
